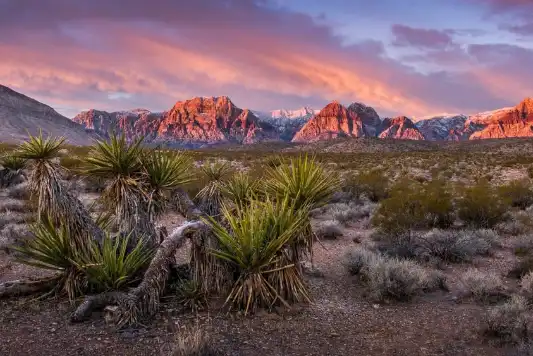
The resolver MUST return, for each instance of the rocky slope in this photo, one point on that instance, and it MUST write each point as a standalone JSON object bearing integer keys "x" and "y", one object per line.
{"x": 189, "y": 123}
{"x": 332, "y": 121}
{"x": 443, "y": 127}
{"x": 401, "y": 128}
{"x": 20, "y": 114}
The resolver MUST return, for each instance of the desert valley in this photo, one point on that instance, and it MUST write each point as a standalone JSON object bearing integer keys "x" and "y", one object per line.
{"x": 421, "y": 230}
{"x": 266, "y": 177}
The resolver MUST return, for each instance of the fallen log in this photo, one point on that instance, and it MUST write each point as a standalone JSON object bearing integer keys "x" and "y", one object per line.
{"x": 25, "y": 287}
{"x": 142, "y": 301}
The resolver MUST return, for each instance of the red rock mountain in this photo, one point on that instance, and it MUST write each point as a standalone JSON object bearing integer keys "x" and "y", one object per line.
{"x": 332, "y": 121}
{"x": 401, "y": 128}
{"x": 192, "y": 122}
{"x": 507, "y": 122}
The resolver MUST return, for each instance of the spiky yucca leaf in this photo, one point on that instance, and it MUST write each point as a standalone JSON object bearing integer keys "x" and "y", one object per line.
{"x": 163, "y": 173}
{"x": 39, "y": 148}
{"x": 210, "y": 197}
{"x": 191, "y": 294}
{"x": 110, "y": 266}
{"x": 119, "y": 161}
{"x": 255, "y": 242}
{"x": 53, "y": 249}
{"x": 13, "y": 162}
{"x": 240, "y": 189}
{"x": 115, "y": 158}
{"x": 303, "y": 180}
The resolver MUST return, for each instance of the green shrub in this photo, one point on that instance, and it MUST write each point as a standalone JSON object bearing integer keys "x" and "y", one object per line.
{"x": 414, "y": 206}
{"x": 373, "y": 184}
{"x": 481, "y": 206}
{"x": 518, "y": 193}
{"x": 444, "y": 245}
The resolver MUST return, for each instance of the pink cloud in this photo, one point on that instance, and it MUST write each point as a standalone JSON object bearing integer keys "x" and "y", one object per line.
{"x": 73, "y": 54}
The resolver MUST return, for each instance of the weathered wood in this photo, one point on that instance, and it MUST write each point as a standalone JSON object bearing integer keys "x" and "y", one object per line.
{"x": 25, "y": 287}
{"x": 143, "y": 300}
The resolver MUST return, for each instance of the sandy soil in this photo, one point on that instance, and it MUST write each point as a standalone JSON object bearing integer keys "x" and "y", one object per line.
{"x": 340, "y": 321}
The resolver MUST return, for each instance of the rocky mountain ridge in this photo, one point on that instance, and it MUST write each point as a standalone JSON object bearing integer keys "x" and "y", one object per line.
{"x": 20, "y": 115}
{"x": 216, "y": 120}
{"x": 191, "y": 123}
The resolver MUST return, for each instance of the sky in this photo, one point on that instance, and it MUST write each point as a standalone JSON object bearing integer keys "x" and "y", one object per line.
{"x": 408, "y": 57}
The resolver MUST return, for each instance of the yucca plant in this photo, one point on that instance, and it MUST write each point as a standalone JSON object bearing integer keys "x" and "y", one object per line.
{"x": 304, "y": 180}
{"x": 112, "y": 265}
{"x": 164, "y": 172}
{"x": 191, "y": 294}
{"x": 240, "y": 189}
{"x": 53, "y": 199}
{"x": 210, "y": 197}
{"x": 254, "y": 244}
{"x": 12, "y": 167}
{"x": 53, "y": 249}
{"x": 119, "y": 161}
{"x": 306, "y": 184}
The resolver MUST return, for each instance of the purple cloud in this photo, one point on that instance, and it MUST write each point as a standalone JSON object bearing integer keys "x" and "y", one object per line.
{"x": 406, "y": 36}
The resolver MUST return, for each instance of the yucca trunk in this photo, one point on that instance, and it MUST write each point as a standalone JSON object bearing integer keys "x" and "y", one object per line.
{"x": 55, "y": 201}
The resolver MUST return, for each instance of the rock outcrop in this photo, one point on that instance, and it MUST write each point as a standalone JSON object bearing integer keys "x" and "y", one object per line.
{"x": 507, "y": 122}
{"x": 368, "y": 116}
{"x": 332, "y": 121}
{"x": 194, "y": 122}
{"x": 401, "y": 128}
{"x": 20, "y": 115}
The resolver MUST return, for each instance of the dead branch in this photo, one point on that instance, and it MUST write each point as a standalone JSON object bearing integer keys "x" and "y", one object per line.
{"x": 143, "y": 300}
{"x": 26, "y": 287}
{"x": 186, "y": 206}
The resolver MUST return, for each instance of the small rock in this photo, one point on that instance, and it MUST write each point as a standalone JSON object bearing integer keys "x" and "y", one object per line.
{"x": 375, "y": 306}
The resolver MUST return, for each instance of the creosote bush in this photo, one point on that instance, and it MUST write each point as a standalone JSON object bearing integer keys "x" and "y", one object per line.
{"x": 328, "y": 230}
{"x": 481, "y": 206}
{"x": 444, "y": 245}
{"x": 518, "y": 193}
{"x": 414, "y": 206}
{"x": 373, "y": 184}
{"x": 526, "y": 286}
{"x": 510, "y": 321}
{"x": 483, "y": 287}
{"x": 391, "y": 278}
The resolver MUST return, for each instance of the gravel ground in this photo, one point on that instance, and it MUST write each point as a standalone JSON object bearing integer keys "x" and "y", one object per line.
{"x": 340, "y": 321}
